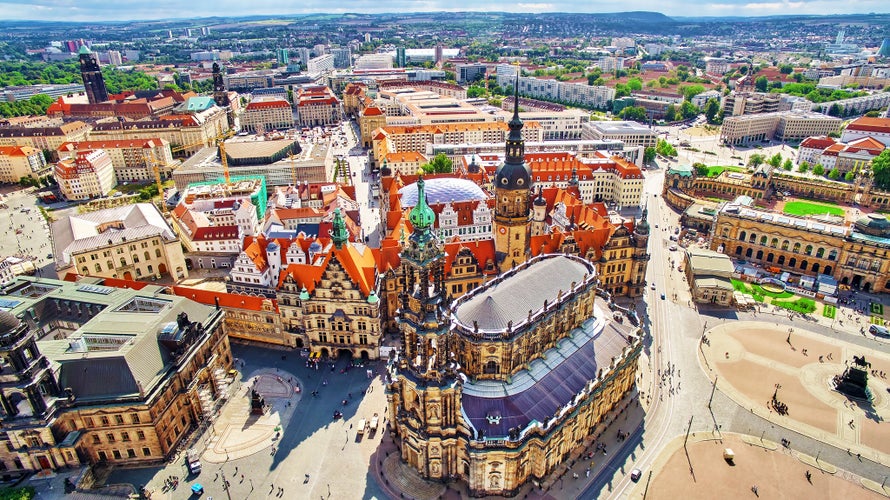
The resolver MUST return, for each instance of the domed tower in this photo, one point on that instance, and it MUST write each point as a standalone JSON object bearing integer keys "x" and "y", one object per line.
{"x": 339, "y": 233}
{"x": 424, "y": 396}
{"x": 539, "y": 215}
{"x": 512, "y": 184}
{"x": 29, "y": 387}
{"x": 640, "y": 256}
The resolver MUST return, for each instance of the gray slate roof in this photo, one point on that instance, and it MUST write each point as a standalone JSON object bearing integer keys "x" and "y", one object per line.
{"x": 78, "y": 233}
{"x": 511, "y": 299}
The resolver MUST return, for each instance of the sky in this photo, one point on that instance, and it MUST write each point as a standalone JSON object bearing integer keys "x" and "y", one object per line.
{"x": 105, "y": 10}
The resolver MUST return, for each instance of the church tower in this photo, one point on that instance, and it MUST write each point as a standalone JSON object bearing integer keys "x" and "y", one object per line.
{"x": 640, "y": 256}
{"x": 511, "y": 188}
{"x": 220, "y": 95}
{"x": 424, "y": 395}
{"x": 93, "y": 80}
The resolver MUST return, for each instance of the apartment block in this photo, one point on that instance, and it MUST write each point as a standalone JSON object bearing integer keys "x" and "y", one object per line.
{"x": 133, "y": 160}
{"x": 21, "y": 161}
{"x": 90, "y": 174}
{"x": 266, "y": 114}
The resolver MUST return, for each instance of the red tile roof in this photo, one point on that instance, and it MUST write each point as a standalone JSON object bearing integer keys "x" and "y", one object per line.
{"x": 820, "y": 143}
{"x": 867, "y": 124}
{"x": 232, "y": 300}
{"x": 215, "y": 233}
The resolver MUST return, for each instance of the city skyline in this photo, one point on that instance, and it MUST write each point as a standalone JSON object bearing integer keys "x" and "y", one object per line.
{"x": 94, "y": 11}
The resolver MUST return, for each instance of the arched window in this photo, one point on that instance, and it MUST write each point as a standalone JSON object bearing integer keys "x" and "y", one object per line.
{"x": 742, "y": 235}
{"x": 808, "y": 250}
{"x": 492, "y": 367}
{"x": 769, "y": 258}
{"x": 157, "y": 252}
{"x": 796, "y": 248}
{"x": 123, "y": 262}
{"x": 792, "y": 262}
{"x": 147, "y": 256}
{"x": 820, "y": 252}
{"x": 760, "y": 255}
{"x": 763, "y": 241}
{"x": 785, "y": 245}
{"x": 752, "y": 238}
{"x": 832, "y": 255}
{"x": 781, "y": 260}
{"x": 98, "y": 268}
{"x": 748, "y": 253}
{"x": 816, "y": 267}
{"x": 109, "y": 264}
{"x": 150, "y": 269}
{"x": 738, "y": 250}
{"x": 85, "y": 270}
{"x": 135, "y": 258}
{"x": 803, "y": 265}
{"x": 774, "y": 243}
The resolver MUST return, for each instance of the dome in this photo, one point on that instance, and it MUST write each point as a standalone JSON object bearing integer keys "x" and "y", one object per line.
{"x": 8, "y": 322}
{"x": 513, "y": 176}
{"x": 874, "y": 224}
{"x": 315, "y": 247}
{"x": 442, "y": 190}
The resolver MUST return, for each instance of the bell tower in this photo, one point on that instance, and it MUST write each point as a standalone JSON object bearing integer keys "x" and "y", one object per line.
{"x": 424, "y": 395}
{"x": 512, "y": 187}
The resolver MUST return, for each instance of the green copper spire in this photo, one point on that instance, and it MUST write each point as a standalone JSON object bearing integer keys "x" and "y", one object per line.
{"x": 339, "y": 234}
{"x": 422, "y": 216}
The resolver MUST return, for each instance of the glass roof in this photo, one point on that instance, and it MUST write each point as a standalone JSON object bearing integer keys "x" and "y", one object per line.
{"x": 443, "y": 190}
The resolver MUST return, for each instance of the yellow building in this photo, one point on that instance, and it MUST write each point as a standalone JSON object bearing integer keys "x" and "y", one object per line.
{"x": 21, "y": 161}
{"x": 97, "y": 374}
{"x": 128, "y": 242}
{"x": 334, "y": 295}
{"x": 856, "y": 256}
{"x": 512, "y": 185}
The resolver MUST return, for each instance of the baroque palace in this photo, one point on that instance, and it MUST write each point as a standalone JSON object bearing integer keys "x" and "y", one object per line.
{"x": 855, "y": 253}
{"x": 471, "y": 396}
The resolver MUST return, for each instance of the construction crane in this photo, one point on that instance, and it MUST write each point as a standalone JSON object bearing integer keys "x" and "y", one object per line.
{"x": 221, "y": 143}
{"x": 156, "y": 163}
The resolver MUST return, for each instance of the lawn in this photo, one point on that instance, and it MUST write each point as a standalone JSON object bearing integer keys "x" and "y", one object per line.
{"x": 762, "y": 291}
{"x": 877, "y": 308}
{"x": 802, "y": 305}
{"x": 877, "y": 320}
{"x": 804, "y": 208}
{"x": 717, "y": 170}
{"x": 829, "y": 311}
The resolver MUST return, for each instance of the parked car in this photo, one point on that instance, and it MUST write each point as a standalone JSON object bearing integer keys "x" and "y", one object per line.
{"x": 635, "y": 475}
{"x": 878, "y": 330}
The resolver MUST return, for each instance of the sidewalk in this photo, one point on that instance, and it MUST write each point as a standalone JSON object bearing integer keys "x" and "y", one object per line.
{"x": 237, "y": 433}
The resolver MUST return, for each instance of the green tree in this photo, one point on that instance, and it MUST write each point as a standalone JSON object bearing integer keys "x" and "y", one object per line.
{"x": 873, "y": 114}
{"x": 440, "y": 164}
{"x": 819, "y": 169}
{"x": 712, "y": 108}
{"x": 880, "y": 168}
{"x": 761, "y": 83}
{"x": 635, "y": 84}
{"x": 786, "y": 69}
{"x": 775, "y": 160}
{"x": 671, "y": 114}
{"x": 756, "y": 160}
{"x": 649, "y": 154}
{"x": 788, "y": 165}
{"x": 803, "y": 167}
{"x": 690, "y": 91}
{"x": 634, "y": 113}
{"x": 688, "y": 110}
{"x": 849, "y": 176}
{"x": 835, "y": 174}
{"x": 475, "y": 91}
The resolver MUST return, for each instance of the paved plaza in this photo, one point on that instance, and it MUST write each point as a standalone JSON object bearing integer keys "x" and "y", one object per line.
{"x": 755, "y": 360}
{"x": 700, "y": 472}
{"x": 294, "y": 450}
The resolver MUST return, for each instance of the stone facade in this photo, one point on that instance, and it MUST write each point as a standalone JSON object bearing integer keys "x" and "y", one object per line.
{"x": 59, "y": 417}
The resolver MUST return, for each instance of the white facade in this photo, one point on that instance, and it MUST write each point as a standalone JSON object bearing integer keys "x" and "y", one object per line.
{"x": 320, "y": 64}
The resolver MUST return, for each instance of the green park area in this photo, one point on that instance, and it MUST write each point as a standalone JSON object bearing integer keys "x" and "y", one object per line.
{"x": 805, "y": 208}
{"x": 717, "y": 170}
{"x": 829, "y": 311}
{"x": 783, "y": 299}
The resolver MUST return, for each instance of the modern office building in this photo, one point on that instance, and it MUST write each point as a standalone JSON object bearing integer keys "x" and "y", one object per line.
{"x": 630, "y": 133}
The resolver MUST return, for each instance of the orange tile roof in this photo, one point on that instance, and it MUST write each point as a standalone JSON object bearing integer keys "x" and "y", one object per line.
{"x": 232, "y": 300}
{"x": 817, "y": 142}
{"x": 868, "y": 124}
{"x": 372, "y": 111}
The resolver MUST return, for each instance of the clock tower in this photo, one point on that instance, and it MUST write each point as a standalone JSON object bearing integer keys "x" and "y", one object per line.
{"x": 512, "y": 185}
